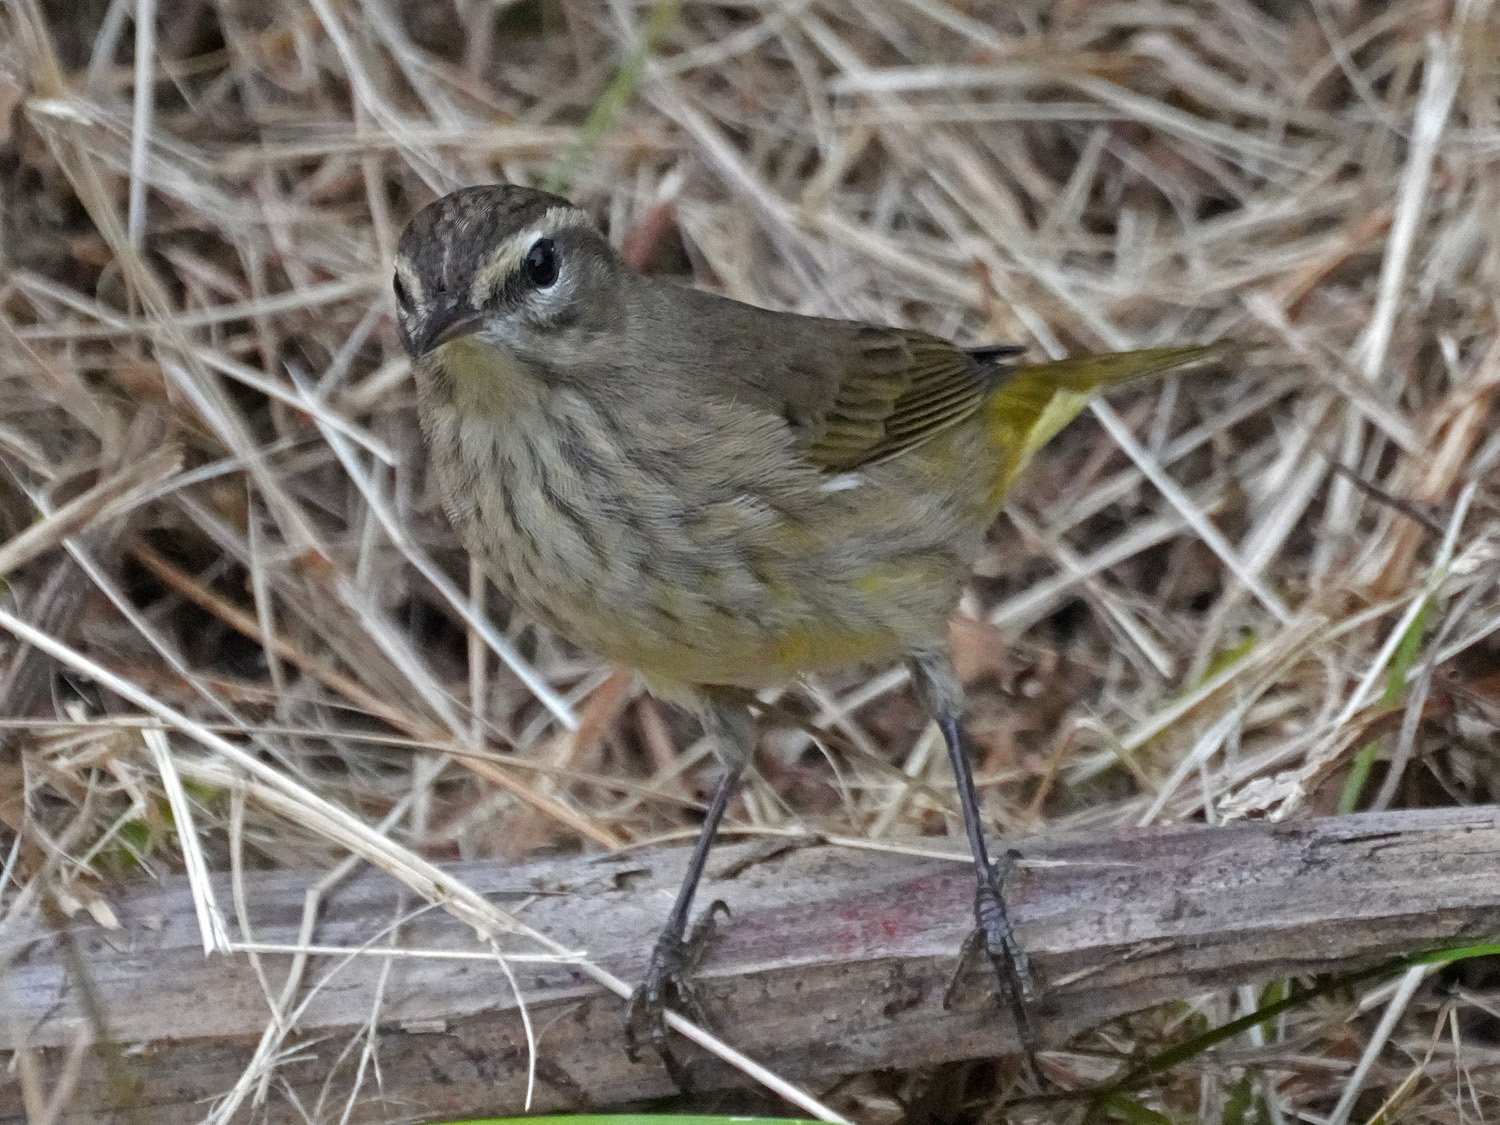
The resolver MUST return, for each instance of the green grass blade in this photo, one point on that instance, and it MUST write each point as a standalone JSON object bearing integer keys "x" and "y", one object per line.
{"x": 616, "y": 97}
{"x": 1295, "y": 997}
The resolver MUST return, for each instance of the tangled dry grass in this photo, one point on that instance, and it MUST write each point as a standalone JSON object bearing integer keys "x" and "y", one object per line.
{"x": 1270, "y": 594}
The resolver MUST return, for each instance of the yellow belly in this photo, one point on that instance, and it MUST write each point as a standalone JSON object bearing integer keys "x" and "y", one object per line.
{"x": 705, "y": 556}
{"x": 755, "y": 661}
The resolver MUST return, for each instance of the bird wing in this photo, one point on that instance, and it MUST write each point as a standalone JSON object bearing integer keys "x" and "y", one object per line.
{"x": 852, "y": 392}
{"x": 890, "y": 390}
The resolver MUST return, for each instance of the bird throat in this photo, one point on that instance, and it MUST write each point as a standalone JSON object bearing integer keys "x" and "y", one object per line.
{"x": 487, "y": 379}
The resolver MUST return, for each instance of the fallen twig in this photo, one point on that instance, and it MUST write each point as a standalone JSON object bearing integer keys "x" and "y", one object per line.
{"x": 835, "y": 960}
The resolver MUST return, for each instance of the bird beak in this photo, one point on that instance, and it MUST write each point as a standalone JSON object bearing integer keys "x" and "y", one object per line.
{"x": 453, "y": 330}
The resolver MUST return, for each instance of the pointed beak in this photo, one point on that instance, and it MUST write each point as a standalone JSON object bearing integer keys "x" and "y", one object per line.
{"x": 444, "y": 330}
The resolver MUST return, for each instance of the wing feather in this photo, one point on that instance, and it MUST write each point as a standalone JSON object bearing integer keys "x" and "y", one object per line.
{"x": 896, "y": 389}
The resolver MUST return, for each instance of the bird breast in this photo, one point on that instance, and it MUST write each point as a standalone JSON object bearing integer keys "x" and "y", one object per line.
{"x": 684, "y": 536}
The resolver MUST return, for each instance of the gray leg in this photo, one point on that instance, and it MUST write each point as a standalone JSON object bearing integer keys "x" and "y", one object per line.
{"x": 940, "y": 691}
{"x": 667, "y": 984}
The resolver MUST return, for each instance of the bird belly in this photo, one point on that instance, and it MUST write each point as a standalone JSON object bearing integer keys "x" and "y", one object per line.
{"x": 696, "y": 563}
{"x": 751, "y": 657}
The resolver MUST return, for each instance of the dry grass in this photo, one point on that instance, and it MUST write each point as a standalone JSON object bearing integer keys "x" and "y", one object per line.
{"x": 1269, "y": 594}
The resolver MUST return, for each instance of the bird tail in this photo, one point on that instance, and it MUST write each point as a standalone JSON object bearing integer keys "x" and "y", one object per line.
{"x": 1038, "y": 399}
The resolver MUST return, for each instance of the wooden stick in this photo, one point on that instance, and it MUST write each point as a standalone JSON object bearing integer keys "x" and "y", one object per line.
{"x": 835, "y": 961}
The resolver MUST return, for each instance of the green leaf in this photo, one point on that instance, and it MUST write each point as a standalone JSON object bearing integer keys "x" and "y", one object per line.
{"x": 1408, "y": 649}
{"x": 1226, "y": 658}
{"x": 1241, "y": 1099}
{"x": 1359, "y": 773}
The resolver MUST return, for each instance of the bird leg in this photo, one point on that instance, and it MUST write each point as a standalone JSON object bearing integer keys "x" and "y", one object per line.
{"x": 668, "y": 982}
{"x": 993, "y": 933}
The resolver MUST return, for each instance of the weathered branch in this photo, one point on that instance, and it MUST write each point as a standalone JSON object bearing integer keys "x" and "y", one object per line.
{"x": 835, "y": 961}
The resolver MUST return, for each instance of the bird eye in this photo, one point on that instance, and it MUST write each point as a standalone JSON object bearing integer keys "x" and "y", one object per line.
{"x": 540, "y": 266}
{"x": 403, "y": 298}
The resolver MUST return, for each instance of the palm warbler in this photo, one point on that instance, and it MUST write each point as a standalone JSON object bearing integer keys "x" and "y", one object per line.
{"x": 720, "y": 496}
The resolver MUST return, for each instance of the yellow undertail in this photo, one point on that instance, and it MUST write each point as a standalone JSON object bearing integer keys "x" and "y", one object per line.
{"x": 1039, "y": 399}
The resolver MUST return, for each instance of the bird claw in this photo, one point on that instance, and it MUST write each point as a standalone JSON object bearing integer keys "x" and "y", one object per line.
{"x": 996, "y": 938}
{"x": 668, "y": 986}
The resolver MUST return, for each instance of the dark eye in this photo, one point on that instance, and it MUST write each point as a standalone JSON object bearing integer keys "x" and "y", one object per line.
{"x": 540, "y": 266}
{"x": 403, "y": 298}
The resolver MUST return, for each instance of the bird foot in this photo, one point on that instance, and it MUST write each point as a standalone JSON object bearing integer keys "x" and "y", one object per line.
{"x": 996, "y": 938}
{"x": 668, "y": 986}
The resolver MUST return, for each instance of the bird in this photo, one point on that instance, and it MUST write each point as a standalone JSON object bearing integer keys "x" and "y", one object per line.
{"x": 722, "y": 497}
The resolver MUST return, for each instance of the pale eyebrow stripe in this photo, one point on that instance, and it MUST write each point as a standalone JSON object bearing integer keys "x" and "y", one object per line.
{"x": 505, "y": 259}
{"x": 413, "y": 283}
